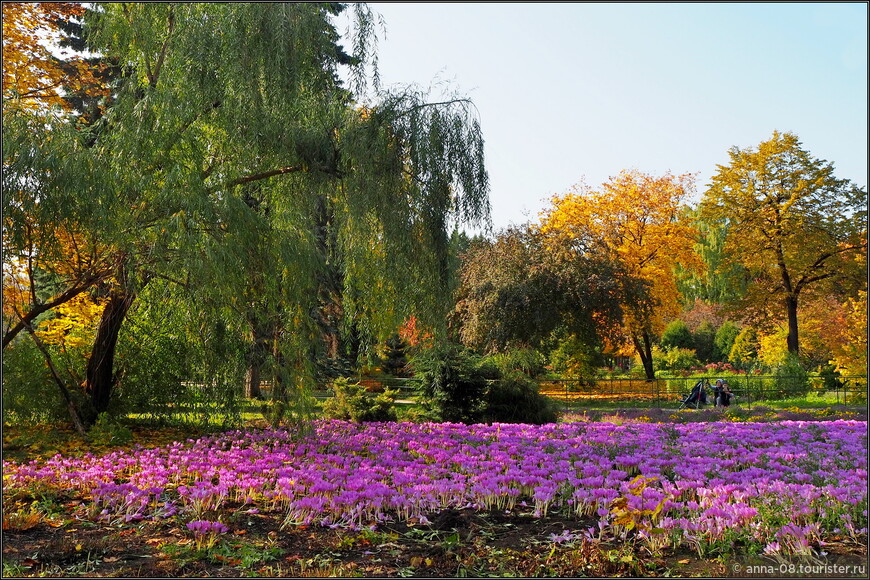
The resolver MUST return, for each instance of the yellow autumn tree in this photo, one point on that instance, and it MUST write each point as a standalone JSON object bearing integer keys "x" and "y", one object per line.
{"x": 69, "y": 260}
{"x": 33, "y": 77}
{"x": 72, "y": 330}
{"x": 640, "y": 220}
{"x": 850, "y": 353}
{"x": 74, "y": 323}
{"x": 792, "y": 226}
{"x": 37, "y": 73}
{"x": 48, "y": 259}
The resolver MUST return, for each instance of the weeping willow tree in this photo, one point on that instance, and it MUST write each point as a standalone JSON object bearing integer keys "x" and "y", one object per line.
{"x": 233, "y": 163}
{"x": 720, "y": 282}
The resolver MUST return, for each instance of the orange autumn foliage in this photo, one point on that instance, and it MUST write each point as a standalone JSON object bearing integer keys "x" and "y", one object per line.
{"x": 72, "y": 260}
{"x": 639, "y": 218}
{"x": 413, "y": 333}
{"x": 33, "y": 77}
{"x": 849, "y": 344}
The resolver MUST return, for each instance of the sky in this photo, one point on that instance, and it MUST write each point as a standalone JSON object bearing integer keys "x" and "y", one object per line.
{"x": 571, "y": 92}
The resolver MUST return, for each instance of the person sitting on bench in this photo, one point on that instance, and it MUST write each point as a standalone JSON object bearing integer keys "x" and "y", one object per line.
{"x": 722, "y": 392}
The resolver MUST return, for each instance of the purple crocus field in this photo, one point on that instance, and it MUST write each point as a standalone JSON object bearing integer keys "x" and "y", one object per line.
{"x": 781, "y": 487}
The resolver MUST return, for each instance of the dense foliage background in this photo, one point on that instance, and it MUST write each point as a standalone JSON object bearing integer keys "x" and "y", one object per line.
{"x": 199, "y": 213}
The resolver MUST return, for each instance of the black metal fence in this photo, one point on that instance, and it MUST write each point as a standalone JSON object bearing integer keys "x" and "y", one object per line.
{"x": 748, "y": 389}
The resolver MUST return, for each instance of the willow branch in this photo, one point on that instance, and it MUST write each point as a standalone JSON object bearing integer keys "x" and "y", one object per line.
{"x": 162, "y": 56}
{"x": 260, "y": 176}
{"x": 425, "y": 105}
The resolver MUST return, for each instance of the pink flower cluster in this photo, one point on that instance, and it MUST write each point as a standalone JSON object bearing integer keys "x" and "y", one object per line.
{"x": 205, "y": 527}
{"x": 694, "y": 484}
{"x": 719, "y": 367}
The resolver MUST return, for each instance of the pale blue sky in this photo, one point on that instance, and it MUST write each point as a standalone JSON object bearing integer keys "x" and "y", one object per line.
{"x": 568, "y": 90}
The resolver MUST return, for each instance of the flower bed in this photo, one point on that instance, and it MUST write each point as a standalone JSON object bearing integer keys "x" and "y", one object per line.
{"x": 780, "y": 487}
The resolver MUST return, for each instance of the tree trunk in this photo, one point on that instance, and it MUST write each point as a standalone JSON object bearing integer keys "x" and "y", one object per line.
{"x": 100, "y": 377}
{"x": 330, "y": 283}
{"x": 252, "y": 381}
{"x": 791, "y": 306}
{"x": 256, "y": 359}
{"x": 644, "y": 350}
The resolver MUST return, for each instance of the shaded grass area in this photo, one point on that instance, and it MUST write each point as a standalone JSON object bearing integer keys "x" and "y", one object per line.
{"x": 815, "y": 401}
{"x": 40, "y": 442}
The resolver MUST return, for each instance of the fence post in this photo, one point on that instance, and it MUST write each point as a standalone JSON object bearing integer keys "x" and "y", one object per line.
{"x": 748, "y": 393}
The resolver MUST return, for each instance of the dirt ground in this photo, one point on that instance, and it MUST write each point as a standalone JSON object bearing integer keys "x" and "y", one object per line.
{"x": 454, "y": 543}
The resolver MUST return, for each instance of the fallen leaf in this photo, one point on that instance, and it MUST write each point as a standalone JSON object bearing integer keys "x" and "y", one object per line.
{"x": 683, "y": 561}
{"x": 110, "y": 559}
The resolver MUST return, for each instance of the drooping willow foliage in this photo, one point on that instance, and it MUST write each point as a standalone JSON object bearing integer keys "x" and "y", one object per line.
{"x": 232, "y": 163}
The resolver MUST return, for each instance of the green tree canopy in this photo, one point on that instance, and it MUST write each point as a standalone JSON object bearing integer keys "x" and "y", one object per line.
{"x": 677, "y": 335}
{"x": 724, "y": 340}
{"x": 234, "y": 163}
{"x": 720, "y": 281}
{"x": 520, "y": 288}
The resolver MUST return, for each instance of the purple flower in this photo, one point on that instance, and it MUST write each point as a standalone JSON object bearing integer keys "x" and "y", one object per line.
{"x": 565, "y": 536}
{"x": 711, "y": 482}
{"x": 205, "y": 527}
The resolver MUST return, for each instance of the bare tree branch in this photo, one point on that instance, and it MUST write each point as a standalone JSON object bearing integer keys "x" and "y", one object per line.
{"x": 71, "y": 406}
